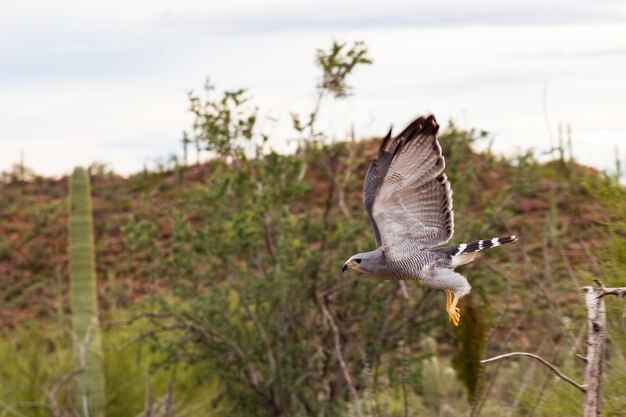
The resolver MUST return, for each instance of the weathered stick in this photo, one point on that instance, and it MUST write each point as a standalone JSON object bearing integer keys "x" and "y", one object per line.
{"x": 619, "y": 292}
{"x": 342, "y": 362}
{"x": 596, "y": 337}
{"x": 553, "y": 368}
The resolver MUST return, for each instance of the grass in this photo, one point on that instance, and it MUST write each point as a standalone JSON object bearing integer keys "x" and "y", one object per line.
{"x": 36, "y": 356}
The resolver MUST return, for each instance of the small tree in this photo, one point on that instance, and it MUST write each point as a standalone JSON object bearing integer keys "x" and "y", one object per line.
{"x": 336, "y": 65}
{"x": 222, "y": 125}
{"x": 260, "y": 297}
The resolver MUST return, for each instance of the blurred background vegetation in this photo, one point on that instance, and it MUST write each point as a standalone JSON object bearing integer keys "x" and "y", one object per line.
{"x": 220, "y": 286}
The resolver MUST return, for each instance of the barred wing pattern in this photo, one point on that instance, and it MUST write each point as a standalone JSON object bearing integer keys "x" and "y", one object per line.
{"x": 406, "y": 194}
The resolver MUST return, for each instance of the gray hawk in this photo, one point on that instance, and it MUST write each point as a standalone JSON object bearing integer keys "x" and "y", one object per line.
{"x": 408, "y": 199}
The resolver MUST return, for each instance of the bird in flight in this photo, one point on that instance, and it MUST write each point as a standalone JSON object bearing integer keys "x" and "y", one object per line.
{"x": 408, "y": 200}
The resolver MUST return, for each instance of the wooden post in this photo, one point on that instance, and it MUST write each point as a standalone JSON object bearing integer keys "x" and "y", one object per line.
{"x": 596, "y": 339}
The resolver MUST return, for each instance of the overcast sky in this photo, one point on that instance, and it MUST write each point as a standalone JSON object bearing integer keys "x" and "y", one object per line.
{"x": 107, "y": 81}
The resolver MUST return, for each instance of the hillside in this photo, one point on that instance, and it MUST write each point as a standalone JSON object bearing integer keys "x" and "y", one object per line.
{"x": 157, "y": 230}
{"x": 33, "y": 214}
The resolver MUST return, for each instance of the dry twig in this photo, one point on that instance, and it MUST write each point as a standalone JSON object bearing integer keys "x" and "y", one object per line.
{"x": 342, "y": 362}
{"x": 553, "y": 368}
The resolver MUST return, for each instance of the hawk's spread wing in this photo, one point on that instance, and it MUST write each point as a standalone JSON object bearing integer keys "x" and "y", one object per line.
{"x": 406, "y": 194}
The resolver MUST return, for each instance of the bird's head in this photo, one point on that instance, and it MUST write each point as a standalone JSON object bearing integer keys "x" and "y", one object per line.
{"x": 368, "y": 262}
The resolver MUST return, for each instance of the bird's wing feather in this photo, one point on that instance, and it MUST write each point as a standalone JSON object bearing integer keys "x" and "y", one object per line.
{"x": 374, "y": 180}
{"x": 407, "y": 195}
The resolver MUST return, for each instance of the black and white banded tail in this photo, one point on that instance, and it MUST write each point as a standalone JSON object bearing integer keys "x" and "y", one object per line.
{"x": 467, "y": 252}
{"x": 479, "y": 245}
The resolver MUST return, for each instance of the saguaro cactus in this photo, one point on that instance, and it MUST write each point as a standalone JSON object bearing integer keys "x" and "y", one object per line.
{"x": 90, "y": 397}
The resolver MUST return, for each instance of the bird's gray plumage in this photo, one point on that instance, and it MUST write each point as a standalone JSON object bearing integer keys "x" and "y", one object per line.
{"x": 408, "y": 199}
{"x": 406, "y": 194}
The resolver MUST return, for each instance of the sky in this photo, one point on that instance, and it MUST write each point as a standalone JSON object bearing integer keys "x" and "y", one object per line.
{"x": 107, "y": 82}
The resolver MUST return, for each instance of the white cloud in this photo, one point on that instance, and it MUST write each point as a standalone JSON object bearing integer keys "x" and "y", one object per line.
{"x": 81, "y": 81}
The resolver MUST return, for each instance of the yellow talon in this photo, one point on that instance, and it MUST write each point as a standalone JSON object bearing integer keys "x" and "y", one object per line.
{"x": 454, "y": 313}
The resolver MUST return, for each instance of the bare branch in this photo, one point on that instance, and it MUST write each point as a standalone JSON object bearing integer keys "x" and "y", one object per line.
{"x": 270, "y": 352}
{"x": 133, "y": 319}
{"x": 12, "y": 408}
{"x": 342, "y": 362}
{"x": 341, "y": 191}
{"x": 345, "y": 283}
{"x": 553, "y": 368}
{"x": 146, "y": 335}
{"x": 619, "y": 292}
{"x": 568, "y": 265}
{"x": 211, "y": 336}
{"x": 53, "y": 392}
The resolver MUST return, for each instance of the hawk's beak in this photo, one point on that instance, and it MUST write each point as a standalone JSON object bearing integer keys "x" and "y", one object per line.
{"x": 347, "y": 265}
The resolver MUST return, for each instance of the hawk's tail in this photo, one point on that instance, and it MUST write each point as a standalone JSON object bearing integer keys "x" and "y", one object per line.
{"x": 479, "y": 245}
{"x": 467, "y": 252}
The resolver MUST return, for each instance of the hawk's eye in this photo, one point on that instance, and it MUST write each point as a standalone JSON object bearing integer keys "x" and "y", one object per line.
{"x": 358, "y": 261}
